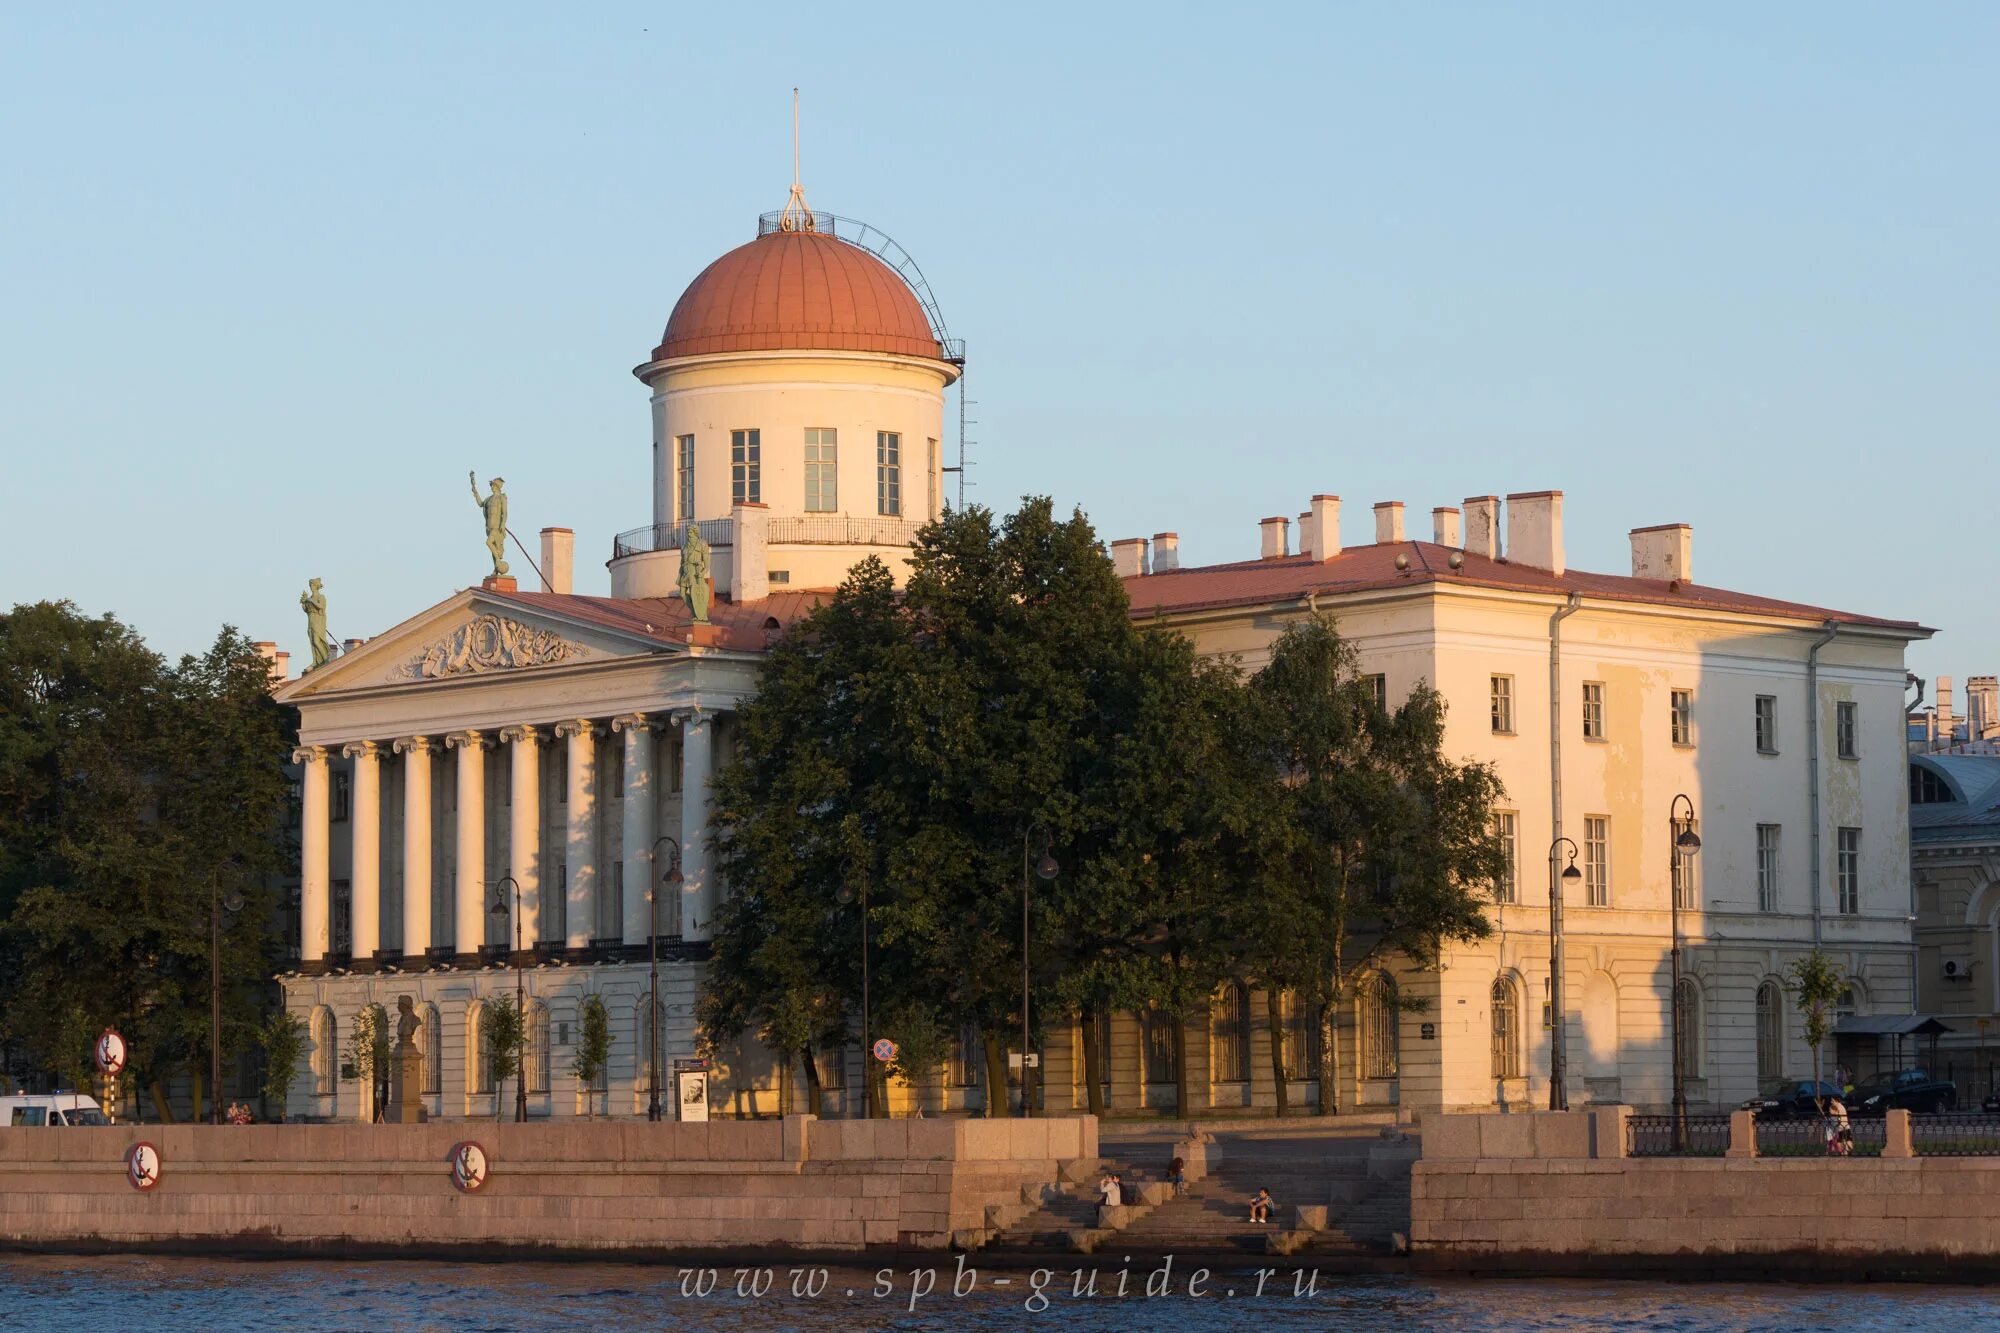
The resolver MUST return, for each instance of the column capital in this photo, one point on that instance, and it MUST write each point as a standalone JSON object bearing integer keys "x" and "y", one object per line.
{"x": 692, "y": 715}
{"x": 361, "y": 749}
{"x": 415, "y": 745}
{"x": 468, "y": 740}
{"x": 523, "y": 733}
{"x": 636, "y": 722}
{"x": 581, "y": 726}
{"x": 309, "y": 754}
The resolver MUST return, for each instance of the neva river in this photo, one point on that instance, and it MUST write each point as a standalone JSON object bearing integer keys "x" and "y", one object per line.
{"x": 172, "y": 1295}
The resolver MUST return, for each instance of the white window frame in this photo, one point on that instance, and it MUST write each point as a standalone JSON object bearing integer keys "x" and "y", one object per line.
{"x": 1593, "y": 710}
{"x": 889, "y": 473}
{"x": 684, "y": 477}
{"x": 1770, "y": 848}
{"x": 1597, "y": 860}
{"x": 822, "y": 468}
{"x": 1500, "y": 691}
{"x": 1847, "y": 871}
{"x": 1765, "y": 725}
{"x": 1846, "y": 730}
{"x": 1680, "y": 707}
{"x": 746, "y": 466}
{"x": 1507, "y": 827}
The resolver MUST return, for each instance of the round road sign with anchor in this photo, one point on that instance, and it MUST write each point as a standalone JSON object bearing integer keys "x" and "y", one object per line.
{"x": 110, "y": 1052}
{"x": 142, "y": 1165}
{"x": 468, "y": 1166}
{"x": 885, "y": 1050}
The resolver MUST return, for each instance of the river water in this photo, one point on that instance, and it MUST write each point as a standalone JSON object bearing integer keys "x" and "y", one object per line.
{"x": 168, "y": 1295}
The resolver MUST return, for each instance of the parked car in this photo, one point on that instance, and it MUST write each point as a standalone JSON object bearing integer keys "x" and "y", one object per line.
{"x": 36, "y": 1110}
{"x": 1904, "y": 1090}
{"x": 1791, "y": 1098}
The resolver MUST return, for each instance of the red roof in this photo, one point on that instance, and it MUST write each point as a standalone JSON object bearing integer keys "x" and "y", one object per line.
{"x": 1369, "y": 568}
{"x": 747, "y": 626}
{"x": 798, "y": 291}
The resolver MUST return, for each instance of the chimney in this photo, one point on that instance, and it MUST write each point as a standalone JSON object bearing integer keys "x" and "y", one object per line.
{"x": 1305, "y": 532}
{"x": 281, "y": 667}
{"x": 1274, "y": 547}
{"x": 1482, "y": 525}
{"x": 750, "y": 561}
{"x": 1982, "y": 707}
{"x": 349, "y": 645}
{"x": 1128, "y": 557}
{"x": 1663, "y": 552}
{"x": 1444, "y": 526}
{"x": 1166, "y": 552}
{"x": 1535, "y": 530}
{"x": 273, "y": 670}
{"x": 1325, "y": 528}
{"x": 1389, "y": 521}
{"x": 558, "y": 560}
{"x": 1947, "y": 724}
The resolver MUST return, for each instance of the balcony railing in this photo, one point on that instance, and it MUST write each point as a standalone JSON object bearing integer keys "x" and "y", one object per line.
{"x": 802, "y": 530}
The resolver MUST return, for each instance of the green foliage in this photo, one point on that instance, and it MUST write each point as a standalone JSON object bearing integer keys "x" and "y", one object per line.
{"x": 283, "y": 1038}
{"x": 133, "y": 794}
{"x": 1816, "y": 984}
{"x": 368, "y": 1052}
{"x": 593, "y": 1049}
{"x": 505, "y": 1034}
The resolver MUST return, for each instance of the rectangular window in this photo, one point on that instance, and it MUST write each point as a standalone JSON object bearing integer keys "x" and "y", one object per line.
{"x": 1503, "y": 705}
{"x": 339, "y": 797}
{"x": 746, "y": 482}
{"x": 1767, "y": 867}
{"x": 1767, "y": 724}
{"x": 1846, "y": 744}
{"x": 1847, "y": 871}
{"x": 1507, "y": 828}
{"x": 1597, "y": 860}
{"x": 822, "y": 464}
{"x": 1378, "y": 688}
{"x": 1687, "y": 894}
{"x": 684, "y": 476}
{"x": 1593, "y": 710}
{"x": 888, "y": 472}
{"x": 1681, "y": 704}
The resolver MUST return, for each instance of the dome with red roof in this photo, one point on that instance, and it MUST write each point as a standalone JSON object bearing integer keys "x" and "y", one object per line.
{"x": 798, "y": 291}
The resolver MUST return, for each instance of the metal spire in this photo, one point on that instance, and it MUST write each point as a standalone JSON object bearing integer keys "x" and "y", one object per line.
{"x": 797, "y": 215}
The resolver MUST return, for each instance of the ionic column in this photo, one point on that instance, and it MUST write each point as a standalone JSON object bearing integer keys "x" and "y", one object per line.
{"x": 315, "y": 917}
{"x": 416, "y": 752}
{"x": 524, "y": 829}
{"x": 639, "y": 825}
{"x": 579, "y": 847}
{"x": 698, "y": 890}
{"x": 365, "y": 872}
{"x": 469, "y": 908}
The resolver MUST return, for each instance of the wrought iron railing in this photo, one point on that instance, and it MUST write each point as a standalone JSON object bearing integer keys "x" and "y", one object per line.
{"x": 670, "y": 536}
{"x": 840, "y": 530}
{"x": 1653, "y": 1136}
{"x": 1819, "y": 1136}
{"x": 1955, "y": 1134}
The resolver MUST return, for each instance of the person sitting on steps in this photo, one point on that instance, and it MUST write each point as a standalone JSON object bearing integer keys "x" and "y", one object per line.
{"x": 1177, "y": 1175}
{"x": 1260, "y": 1206}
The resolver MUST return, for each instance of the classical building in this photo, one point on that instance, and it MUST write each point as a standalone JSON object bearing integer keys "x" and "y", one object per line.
{"x": 1955, "y": 854}
{"x": 501, "y": 779}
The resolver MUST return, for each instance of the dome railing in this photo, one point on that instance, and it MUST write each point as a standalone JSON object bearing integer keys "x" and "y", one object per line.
{"x": 672, "y": 536}
{"x": 883, "y": 246}
{"x": 793, "y": 530}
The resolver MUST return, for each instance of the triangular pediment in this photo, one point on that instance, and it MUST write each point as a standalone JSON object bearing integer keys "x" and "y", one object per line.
{"x": 468, "y": 636}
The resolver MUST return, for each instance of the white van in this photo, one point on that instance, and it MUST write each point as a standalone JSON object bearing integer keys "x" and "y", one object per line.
{"x": 32, "y": 1111}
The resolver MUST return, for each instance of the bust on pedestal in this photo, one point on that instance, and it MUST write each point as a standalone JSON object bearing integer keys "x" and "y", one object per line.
{"x": 406, "y": 1069}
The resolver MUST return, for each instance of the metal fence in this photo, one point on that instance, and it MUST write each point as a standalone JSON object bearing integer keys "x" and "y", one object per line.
{"x": 1955, "y": 1134}
{"x": 1653, "y": 1136}
{"x": 670, "y": 536}
{"x": 840, "y": 530}
{"x": 1818, "y": 1136}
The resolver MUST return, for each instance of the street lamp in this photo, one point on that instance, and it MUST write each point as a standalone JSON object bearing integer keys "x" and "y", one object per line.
{"x": 673, "y": 876}
{"x": 217, "y": 905}
{"x": 1046, "y": 869}
{"x": 1684, "y": 843}
{"x": 844, "y": 895}
{"x": 499, "y": 909}
{"x": 1558, "y": 1029}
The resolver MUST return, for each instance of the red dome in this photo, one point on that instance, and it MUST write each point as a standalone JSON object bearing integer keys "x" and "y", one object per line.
{"x": 798, "y": 291}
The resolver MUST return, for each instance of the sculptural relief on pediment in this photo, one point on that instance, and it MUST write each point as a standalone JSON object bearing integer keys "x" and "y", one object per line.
{"x": 489, "y": 643}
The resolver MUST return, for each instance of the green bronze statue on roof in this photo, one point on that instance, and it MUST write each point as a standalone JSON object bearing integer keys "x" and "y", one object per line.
{"x": 694, "y": 588}
{"x": 313, "y": 602}
{"x": 494, "y": 506}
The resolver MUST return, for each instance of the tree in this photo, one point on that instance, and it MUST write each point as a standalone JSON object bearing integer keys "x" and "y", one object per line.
{"x": 283, "y": 1038}
{"x": 368, "y": 1055}
{"x": 505, "y": 1036}
{"x": 593, "y": 1050}
{"x": 1816, "y": 985}
{"x": 1389, "y": 845}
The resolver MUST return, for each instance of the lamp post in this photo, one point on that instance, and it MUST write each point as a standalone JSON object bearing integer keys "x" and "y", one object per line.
{"x": 1683, "y": 842}
{"x": 845, "y": 895}
{"x": 673, "y": 876}
{"x": 1558, "y": 1028}
{"x": 217, "y": 905}
{"x": 1045, "y": 869}
{"x": 499, "y": 909}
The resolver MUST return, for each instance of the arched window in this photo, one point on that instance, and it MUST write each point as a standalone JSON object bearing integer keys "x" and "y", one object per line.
{"x": 1506, "y": 1029}
{"x": 1770, "y": 1032}
{"x": 1298, "y": 1037}
{"x": 430, "y": 1040}
{"x": 537, "y": 1066}
{"x": 1162, "y": 1053}
{"x": 1376, "y": 1000}
{"x": 642, "y": 1057}
{"x": 1229, "y": 1051}
{"x": 1927, "y": 788}
{"x": 325, "y": 1055}
{"x": 478, "y": 1059}
{"x": 1687, "y": 1019}
{"x": 1096, "y": 1028}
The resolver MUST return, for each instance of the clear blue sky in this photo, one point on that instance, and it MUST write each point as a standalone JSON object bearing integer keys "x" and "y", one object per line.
{"x": 272, "y": 278}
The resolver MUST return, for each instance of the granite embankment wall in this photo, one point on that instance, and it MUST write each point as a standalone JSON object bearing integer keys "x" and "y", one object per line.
{"x": 578, "y": 1188}
{"x": 1555, "y": 1193}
